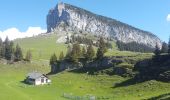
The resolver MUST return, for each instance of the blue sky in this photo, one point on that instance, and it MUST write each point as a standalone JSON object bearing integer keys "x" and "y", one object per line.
{"x": 149, "y": 15}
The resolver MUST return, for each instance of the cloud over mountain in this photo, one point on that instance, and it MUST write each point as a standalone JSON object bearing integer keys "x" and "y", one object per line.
{"x": 168, "y": 18}
{"x": 14, "y": 33}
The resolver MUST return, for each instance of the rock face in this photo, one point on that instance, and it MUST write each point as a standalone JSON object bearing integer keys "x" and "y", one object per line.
{"x": 70, "y": 18}
{"x": 106, "y": 62}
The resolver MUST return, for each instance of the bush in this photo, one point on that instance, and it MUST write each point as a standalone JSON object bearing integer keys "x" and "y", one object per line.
{"x": 165, "y": 76}
{"x": 124, "y": 72}
{"x": 126, "y": 65}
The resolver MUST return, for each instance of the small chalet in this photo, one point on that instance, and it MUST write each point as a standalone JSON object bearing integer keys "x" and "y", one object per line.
{"x": 36, "y": 78}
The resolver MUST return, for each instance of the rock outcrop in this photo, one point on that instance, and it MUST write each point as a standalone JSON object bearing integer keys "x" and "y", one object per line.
{"x": 70, "y": 18}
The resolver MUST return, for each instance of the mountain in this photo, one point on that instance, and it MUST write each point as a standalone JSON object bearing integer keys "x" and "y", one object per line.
{"x": 74, "y": 19}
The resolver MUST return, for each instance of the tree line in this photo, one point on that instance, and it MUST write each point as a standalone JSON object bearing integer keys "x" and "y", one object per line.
{"x": 75, "y": 52}
{"x": 134, "y": 46}
{"x": 84, "y": 40}
{"x": 157, "y": 67}
{"x": 11, "y": 52}
{"x": 163, "y": 50}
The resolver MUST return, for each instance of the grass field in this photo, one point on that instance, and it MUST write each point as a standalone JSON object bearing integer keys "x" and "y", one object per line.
{"x": 42, "y": 47}
{"x": 103, "y": 87}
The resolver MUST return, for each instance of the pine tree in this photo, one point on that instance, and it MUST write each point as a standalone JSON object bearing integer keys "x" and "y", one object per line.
{"x": 8, "y": 48}
{"x": 84, "y": 51}
{"x": 69, "y": 50}
{"x": 6, "y": 42}
{"x": 99, "y": 54}
{"x": 28, "y": 56}
{"x": 75, "y": 53}
{"x": 1, "y": 48}
{"x": 18, "y": 53}
{"x": 90, "y": 53}
{"x": 12, "y": 49}
{"x": 53, "y": 59}
{"x": 73, "y": 57}
{"x": 157, "y": 50}
{"x": 164, "y": 48}
{"x": 1, "y": 42}
{"x": 102, "y": 49}
{"x": 1, "y": 52}
{"x": 169, "y": 46}
{"x": 53, "y": 63}
{"x": 12, "y": 58}
{"x": 61, "y": 57}
{"x": 77, "y": 49}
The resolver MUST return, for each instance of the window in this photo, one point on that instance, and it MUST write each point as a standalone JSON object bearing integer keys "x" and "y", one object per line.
{"x": 42, "y": 80}
{"x": 31, "y": 79}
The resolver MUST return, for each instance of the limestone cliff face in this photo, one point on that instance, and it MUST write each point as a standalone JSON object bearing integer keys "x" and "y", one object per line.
{"x": 77, "y": 19}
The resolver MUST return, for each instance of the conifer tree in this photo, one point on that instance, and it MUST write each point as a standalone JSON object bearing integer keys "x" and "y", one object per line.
{"x": 2, "y": 51}
{"x": 69, "y": 50}
{"x": 75, "y": 53}
{"x": 61, "y": 57}
{"x": 164, "y": 48}
{"x": 8, "y": 48}
{"x": 18, "y": 53}
{"x": 53, "y": 63}
{"x": 84, "y": 51}
{"x": 169, "y": 46}
{"x": 102, "y": 49}
{"x": 53, "y": 59}
{"x": 28, "y": 56}
{"x": 1, "y": 42}
{"x": 90, "y": 53}
{"x": 77, "y": 49}
{"x": 1, "y": 48}
{"x": 157, "y": 50}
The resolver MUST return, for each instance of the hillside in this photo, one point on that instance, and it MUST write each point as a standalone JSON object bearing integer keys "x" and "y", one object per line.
{"x": 42, "y": 46}
{"x": 70, "y": 18}
{"x": 101, "y": 86}
{"x": 83, "y": 56}
{"x": 70, "y": 84}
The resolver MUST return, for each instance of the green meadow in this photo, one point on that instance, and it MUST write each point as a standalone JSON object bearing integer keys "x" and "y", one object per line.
{"x": 42, "y": 47}
{"x": 103, "y": 87}
{"x": 71, "y": 84}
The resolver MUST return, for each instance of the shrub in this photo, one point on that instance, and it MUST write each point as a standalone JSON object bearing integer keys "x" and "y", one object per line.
{"x": 165, "y": 76}
{"x": 126, "y": 65}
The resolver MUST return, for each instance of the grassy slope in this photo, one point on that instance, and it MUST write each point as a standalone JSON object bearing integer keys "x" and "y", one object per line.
{"x": 42, "y": 47}
{"x": 67, "y": 82}
{"x": 75, "y": 83}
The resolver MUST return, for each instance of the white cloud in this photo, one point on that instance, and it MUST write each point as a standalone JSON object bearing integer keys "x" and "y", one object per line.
{"x": 168, "y": 18}
{"x": 14, "y": 33}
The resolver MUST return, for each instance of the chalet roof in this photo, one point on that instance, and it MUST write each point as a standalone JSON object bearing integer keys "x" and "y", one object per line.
{"x": 35, "y": 75}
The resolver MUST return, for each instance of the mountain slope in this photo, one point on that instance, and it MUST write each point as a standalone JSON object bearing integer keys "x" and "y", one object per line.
{"x": 41, "y": 46}
{"x": 44, "y": 45}
{"x": 70, "y": 18}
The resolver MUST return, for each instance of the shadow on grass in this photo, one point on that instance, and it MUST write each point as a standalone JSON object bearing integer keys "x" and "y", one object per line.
{"x": 88, "y": 70}
{"x": 160, "y": 97}
{"x": 53, "y": 73}
{"x": 24, "y": 82}
{"x": 50, "y": 73}
{"x": 128, "y": 82}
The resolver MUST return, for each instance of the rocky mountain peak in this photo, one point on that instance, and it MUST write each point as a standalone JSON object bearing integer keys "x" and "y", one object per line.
{"x": 78, "y": 19}
{"x": 61, "y": 7}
